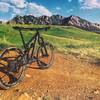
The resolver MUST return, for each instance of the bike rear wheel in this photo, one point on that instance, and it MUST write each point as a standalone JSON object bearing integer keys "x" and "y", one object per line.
{"x": 11, "y": 68}
{"x": 45, "y": 56}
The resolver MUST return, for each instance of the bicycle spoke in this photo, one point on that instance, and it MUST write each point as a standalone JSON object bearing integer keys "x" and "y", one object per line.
{"x": 45, "y": 56}
{"x": 10, "y": 70}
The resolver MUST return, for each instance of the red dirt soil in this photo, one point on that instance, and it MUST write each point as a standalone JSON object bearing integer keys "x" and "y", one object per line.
{"x": 68, "y": 79}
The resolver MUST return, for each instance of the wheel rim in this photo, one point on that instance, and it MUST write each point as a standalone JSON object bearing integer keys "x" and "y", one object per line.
{"x": 10, "y": 71}
{"x": 44, "y": 59}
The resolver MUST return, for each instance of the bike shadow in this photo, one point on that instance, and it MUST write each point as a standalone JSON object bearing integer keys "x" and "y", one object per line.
{"x": 34, "y": 66}
{"x": 96, "y": 62}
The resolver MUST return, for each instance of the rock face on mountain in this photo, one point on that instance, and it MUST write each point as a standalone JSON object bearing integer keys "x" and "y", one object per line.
{"x": 42, "y": 20}
{"x": 57, "y": 20}
{"x": 81, "y": 23}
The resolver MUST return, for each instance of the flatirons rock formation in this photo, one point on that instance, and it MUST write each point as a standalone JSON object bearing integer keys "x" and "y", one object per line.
{"x": 42, "y": 20}
{"x": 57, "y": 20}
{"x": 81, "y": 23}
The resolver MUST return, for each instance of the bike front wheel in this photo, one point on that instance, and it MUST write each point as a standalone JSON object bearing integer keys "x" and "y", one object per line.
{"x": 11, "y": 68}
{"x": 45, "y": 56}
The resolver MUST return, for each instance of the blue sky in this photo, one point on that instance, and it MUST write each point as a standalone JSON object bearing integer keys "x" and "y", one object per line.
{"x": 88, "y": 9}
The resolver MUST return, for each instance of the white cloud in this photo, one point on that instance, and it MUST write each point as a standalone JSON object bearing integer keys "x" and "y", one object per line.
{"x": 70, "y": 10}
{"x": 4, "y": 7}
{"x": 80, "y": 1}
{"x": 37, "y": 10}
{"x": 16, "y": 3}
{"x": 22, "y": 7}
{"x": 90, "y": 4}
{"x": 58, "y": 8}
{"x": 69, "y": 0}
{"x": 16, "y": 10}
{"x": 19, "y": 3}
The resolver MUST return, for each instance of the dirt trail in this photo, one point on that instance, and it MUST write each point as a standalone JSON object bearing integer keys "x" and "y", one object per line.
{"x": 68, "y": 79}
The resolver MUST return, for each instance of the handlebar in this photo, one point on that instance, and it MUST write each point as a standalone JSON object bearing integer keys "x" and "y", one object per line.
{"x": 31, "y": 29}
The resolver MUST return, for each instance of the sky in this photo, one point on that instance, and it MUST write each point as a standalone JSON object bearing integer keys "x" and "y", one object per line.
{"x": 87, "y": 9}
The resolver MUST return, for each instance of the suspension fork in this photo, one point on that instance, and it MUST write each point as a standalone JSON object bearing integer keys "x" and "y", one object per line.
{"x": 33, "y": 47}
{"x": 42, "y": 43}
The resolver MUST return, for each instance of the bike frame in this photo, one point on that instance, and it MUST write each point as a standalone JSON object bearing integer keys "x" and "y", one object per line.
{"x": 31, "y": 44}
{"x": 34, "y": 38}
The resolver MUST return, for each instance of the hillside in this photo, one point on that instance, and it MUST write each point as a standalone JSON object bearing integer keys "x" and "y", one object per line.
{"x": 57, "y": 20}
{"x": 69, "y": 40}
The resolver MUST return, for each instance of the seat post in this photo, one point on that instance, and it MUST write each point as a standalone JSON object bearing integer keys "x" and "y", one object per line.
{"x": 22, "y": 39}
{"x": 37, "y": 32}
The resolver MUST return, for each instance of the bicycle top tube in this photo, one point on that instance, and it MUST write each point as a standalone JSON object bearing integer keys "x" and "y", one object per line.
{"x": 31, "y": 29}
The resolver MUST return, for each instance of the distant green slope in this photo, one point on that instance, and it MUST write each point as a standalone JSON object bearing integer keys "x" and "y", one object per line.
{"x": 76, "y": 33}
{"x": 69, "y": 40}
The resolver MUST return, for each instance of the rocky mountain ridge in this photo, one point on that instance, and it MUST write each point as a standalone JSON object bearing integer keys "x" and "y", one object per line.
{"x": 57, "y": 20}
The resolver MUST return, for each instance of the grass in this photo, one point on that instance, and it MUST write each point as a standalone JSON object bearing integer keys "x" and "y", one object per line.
{"x": 69, "y": 40}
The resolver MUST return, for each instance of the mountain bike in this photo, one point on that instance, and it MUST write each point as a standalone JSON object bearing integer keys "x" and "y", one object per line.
{"x": 14, "y": 61}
